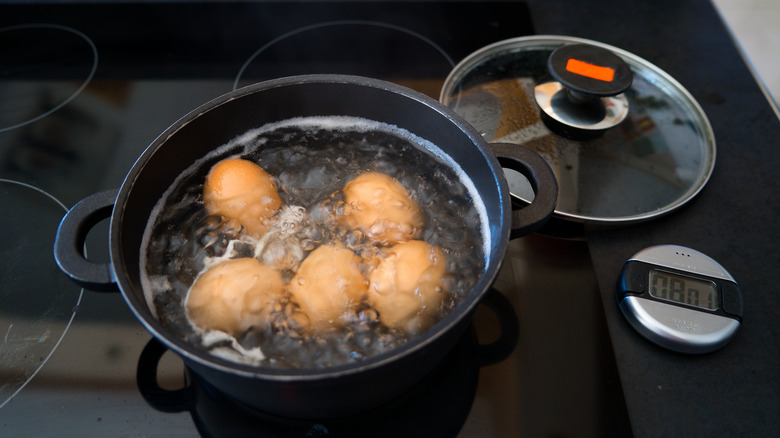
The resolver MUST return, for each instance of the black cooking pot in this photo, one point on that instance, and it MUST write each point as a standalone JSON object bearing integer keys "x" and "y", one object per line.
{"x": 333, "y": 391}
{"x": 451, "y": 388}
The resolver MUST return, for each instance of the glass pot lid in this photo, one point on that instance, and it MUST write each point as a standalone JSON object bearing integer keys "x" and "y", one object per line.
{"x": 626, "y": 141}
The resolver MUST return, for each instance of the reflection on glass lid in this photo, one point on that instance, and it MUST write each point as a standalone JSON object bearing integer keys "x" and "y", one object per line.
{"x": 649, "y": 164}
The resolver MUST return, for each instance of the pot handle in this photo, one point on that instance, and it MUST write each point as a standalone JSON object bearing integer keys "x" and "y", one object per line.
{"x": 501, "y": 348}
{"x": 164, "y": 400}
{"x": 543, "y": 181}
{"x": 69, "y": 244}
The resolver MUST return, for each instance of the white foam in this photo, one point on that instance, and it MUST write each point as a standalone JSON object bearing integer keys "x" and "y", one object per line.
{"x": 235, "y": 352}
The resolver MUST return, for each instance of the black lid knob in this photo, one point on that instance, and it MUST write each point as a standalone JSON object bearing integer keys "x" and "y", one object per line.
{"x": 590, "y": 70}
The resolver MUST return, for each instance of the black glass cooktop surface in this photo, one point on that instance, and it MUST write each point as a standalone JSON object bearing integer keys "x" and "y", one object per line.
{"x": 86, "y": 87}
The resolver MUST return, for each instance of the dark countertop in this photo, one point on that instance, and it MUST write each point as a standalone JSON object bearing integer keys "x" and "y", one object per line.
{"x": 734, "y": 391}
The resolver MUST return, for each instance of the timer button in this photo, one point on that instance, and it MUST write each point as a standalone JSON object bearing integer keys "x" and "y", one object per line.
{"x": 732, "y": 299}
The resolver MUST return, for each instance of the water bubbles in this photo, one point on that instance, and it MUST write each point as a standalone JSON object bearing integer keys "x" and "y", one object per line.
{"x": 298, "y": 320}
{"x": 284, "y": 253}
{"x": 208, "y": 240}
{"x": 308, "y": 245}
{"x": 354, "y": 239}
{"x": 317, "y": 178}
{"x": 314, "y": 234}
{"x": 368, "y": 315}
{"x": 320, "y": 214}
{"x": 450, "y": 282}
{"x": 311, "y": 165}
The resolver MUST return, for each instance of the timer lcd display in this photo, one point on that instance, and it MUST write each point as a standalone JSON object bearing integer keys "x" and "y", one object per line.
{"x": 682, "y": 289}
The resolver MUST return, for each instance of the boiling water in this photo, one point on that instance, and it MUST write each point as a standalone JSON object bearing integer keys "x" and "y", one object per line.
{"x": 311, "y": 160}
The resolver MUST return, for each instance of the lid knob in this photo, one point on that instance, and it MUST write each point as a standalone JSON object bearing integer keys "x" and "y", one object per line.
{"x": 590, "y": 70}
{"x": 586, "y": 97}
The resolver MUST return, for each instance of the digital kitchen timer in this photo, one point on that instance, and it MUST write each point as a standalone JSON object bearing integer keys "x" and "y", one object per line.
{"x": 680, "y": 299}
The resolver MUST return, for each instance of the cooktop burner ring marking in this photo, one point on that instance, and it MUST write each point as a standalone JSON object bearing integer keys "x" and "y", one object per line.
{"x": 339, "y": 23}
{"x": 72, "y": 315}
{"x": 75, "y": 93}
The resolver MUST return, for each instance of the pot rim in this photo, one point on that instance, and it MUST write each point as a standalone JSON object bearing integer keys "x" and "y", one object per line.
{"x": 456, "y": 317}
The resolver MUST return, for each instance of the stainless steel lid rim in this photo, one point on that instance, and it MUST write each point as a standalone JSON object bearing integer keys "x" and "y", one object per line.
{"x": 649, "y": 73}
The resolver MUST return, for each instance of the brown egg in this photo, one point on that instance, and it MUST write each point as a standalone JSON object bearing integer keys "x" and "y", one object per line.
{"x": 328, "y": 284}
{"x": 234, "y": 295}
{"x": 381, "y": 207}
{"x": 406, "y": 287}
{"x": 241, "y": 190}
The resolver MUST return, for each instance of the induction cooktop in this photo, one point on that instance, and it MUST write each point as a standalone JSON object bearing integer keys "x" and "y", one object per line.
{"x": 87, "y": 86}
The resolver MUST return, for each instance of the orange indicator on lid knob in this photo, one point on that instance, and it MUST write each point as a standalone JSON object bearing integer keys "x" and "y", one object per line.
{"x": 589, "y": 70}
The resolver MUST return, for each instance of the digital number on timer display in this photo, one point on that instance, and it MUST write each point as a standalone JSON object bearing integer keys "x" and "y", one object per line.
{"x": 685, "y": 290}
